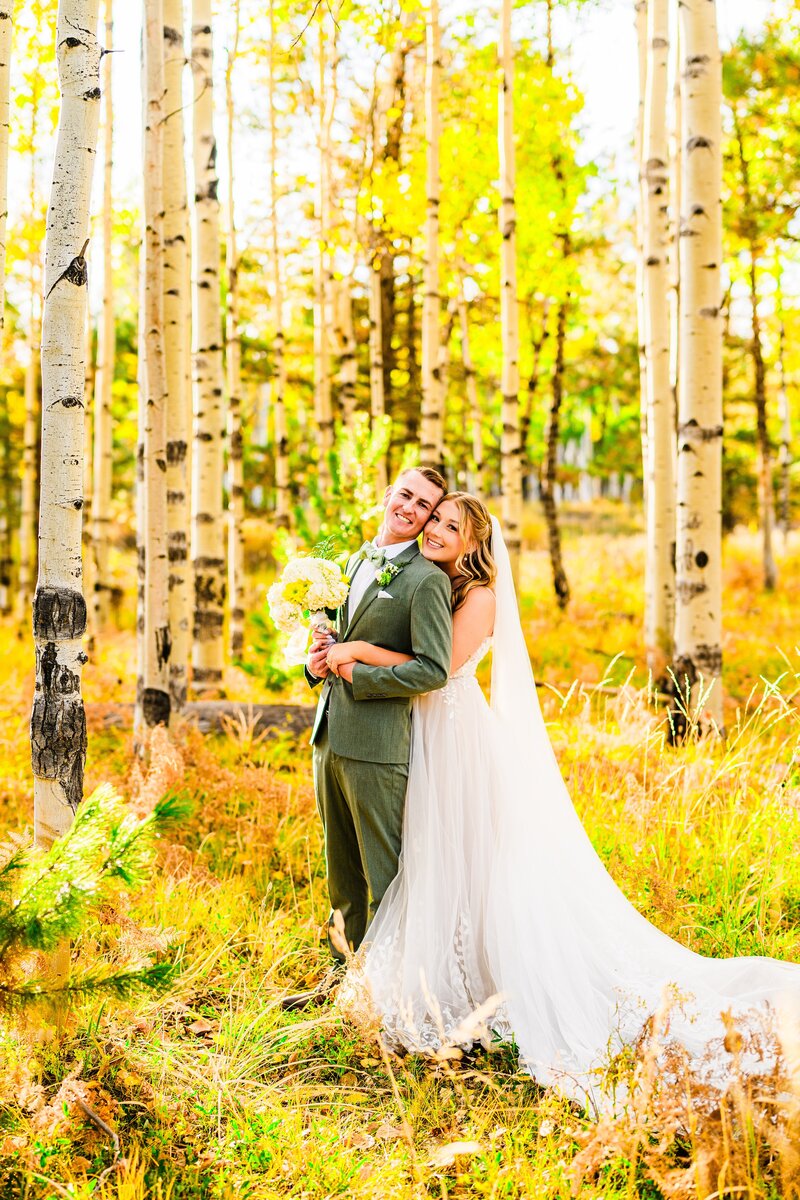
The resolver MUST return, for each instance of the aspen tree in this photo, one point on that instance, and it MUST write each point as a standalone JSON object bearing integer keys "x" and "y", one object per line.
{"x": 473, "y": 401}
{"x": 348, "y": 363}
{"x": 377, "y": 402}
{"x": 640, "y": 20}
{"x": 432, "y": 431}
{"x": 282, "y": 493}
{"x": 765, "y": 500}
{"x": 233, "y": 352}
{"x": 106, "y": 350}
{"x": 6, "y": 31}
{"x": 510, "y": 447}
{"x": 660, "y": 487}
{"x": 552, "y": 433}
{"x": 58, "y": 722}
{"x": 698, "y": 651}
{"x": 323, "y": 411}
{"x": 785, "y": 418}
{"x": 155, "y": 700}
{"x": 30, "y": 447}
{"x": 208, "y": 545}
{"x": 177, "y": 352}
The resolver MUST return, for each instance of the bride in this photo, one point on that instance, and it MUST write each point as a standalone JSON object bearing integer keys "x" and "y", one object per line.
{"x": 501, "y": 903}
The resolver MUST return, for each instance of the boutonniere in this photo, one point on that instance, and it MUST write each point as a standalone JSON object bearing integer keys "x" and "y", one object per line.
{"x": 387, "y": 573}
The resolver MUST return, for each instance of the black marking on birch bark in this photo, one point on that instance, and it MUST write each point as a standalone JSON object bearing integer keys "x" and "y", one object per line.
{"x": 67, "y": 402}
{"x": 207, "y": 625}
{"x": 701, "y": 558}
{"x": 708, "y": 659}
{"x": 161, "y": 464}
{"x": 698, "y": 143}
{"x": 237, "y": 614}
{"x": 155, "y": 707}
{"x": 163, "y": 644}
{"x": 207, "y": 675}
{"x": 58, "y": 743}
{"x": 699, "y": 433}
{"x": 72, "y": 42}
{"x": 175, "y": 497}
{"x": 173, "y": 36}
{"x": 77, "y": 272}
{"x": 237, "y": 643}
{"x": 687, "y": 589}
{"x": 92, "y": 94}
{"x": 176, "y": 452}
{"x": 58, "y": 614}
{"x": 236, "y": 444}
{"x": 203, "y": 436}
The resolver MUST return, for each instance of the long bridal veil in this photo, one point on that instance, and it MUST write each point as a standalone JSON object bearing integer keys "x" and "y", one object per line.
{"x": 579, "y": 967}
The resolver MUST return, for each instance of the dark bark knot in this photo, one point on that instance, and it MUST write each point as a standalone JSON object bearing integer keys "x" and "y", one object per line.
{"x": 58, "y": 614}
{"x": 77, "y": 272}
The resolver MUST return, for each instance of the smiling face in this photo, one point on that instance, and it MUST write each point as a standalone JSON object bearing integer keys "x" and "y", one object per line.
{"x": 442, "y": 542}
{"x": 407, "y": 506}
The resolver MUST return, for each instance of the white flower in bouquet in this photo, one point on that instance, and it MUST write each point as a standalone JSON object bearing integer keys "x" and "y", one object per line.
{"x": 306, "y": 588}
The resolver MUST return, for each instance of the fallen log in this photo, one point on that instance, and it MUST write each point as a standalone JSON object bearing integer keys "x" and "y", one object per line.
{"x": 217, "y": 716}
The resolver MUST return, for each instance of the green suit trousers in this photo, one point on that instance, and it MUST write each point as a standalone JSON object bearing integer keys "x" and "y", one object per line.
{"x": 361, "y": 805}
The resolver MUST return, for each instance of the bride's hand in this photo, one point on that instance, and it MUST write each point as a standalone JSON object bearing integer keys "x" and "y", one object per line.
{"x": 339, "y": 654}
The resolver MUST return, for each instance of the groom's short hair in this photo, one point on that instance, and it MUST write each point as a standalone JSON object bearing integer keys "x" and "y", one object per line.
{"x": 431, "y": 474}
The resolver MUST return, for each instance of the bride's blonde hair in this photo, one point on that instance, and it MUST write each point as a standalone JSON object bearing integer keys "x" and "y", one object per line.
{"x": 475, "y": 566}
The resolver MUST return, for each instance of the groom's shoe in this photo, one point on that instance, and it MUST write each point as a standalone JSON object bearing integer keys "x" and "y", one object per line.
{"x": 315, "y": 996}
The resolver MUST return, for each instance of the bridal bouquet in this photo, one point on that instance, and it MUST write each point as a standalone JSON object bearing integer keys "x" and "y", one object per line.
{"x": 307, "y": 587}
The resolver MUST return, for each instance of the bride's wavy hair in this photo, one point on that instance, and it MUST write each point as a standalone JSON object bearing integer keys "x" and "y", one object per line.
{"x": 475, "y": 566}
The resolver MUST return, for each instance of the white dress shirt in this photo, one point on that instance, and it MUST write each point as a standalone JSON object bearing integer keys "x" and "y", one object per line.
{"x": 365, "y": 573}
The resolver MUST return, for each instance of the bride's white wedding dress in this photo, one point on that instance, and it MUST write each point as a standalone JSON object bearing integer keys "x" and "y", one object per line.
{"x": 501, "y": 900}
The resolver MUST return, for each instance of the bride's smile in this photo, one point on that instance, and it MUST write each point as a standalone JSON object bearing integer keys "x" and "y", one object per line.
{"x": 442, "y": 541}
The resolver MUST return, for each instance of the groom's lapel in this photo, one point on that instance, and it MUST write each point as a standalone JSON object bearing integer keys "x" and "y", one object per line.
{"x": 374, "y": 587}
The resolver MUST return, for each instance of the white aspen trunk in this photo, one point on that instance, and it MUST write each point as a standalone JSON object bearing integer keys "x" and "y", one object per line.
{"x": 431, "y": 425}
{"x": 177, "y": 311}
{"x": 58, "y": 721}
{"x": 104, "y": 376}
{"x": 640, "y": 20}
{"x": 660, "y": 488}
{"x": 208, "y": 541}
{"x": 377, "y": 401}
{"x": 89, "y": 575}
{"x": 785, "y": 418}
{"x": 323, "y": 412}
{"x": 140, "y": 511}
{"x": 155, "y": 701}
{"x": 282, "y": 492}
{"x": 6, "y": 33}
{"x": 510, "y": 447}
{"x": 30, "y": 446}
{"x": 348, "y": 363}
{"x": 233, "y": 350}
{"x": 442, "y": 380}
{"x": 473, "y": 400}
{"x": 698, "y": 625}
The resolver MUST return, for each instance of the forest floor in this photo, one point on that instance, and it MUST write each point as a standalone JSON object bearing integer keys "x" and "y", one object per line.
{"x": 212, "y": 1091}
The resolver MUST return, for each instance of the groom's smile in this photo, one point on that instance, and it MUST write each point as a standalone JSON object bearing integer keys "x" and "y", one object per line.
{"x": 407, "y": 506}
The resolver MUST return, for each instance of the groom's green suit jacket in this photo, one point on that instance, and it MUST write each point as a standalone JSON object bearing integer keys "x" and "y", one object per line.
{"x": 370, "y": 719}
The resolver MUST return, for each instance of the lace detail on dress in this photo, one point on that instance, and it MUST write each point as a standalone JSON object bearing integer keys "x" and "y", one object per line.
{"x": 468, "y": 668}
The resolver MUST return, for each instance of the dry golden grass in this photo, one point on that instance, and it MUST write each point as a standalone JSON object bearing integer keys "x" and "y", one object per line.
{"x": 211, "y": 1091}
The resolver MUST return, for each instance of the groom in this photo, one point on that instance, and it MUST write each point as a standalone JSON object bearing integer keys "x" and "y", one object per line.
{"x": 362, "y": 730}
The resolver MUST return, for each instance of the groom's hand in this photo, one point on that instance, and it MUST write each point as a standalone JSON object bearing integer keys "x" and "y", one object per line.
{"x": 316, "y": 659}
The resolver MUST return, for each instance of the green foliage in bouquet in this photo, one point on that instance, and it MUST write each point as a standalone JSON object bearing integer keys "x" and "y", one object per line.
{"x": 341, "y": 517}
{"x": 49, "y": 897}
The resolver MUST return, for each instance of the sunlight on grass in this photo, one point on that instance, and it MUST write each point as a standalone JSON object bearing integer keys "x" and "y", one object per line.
{"x": 214, "y": 1091}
